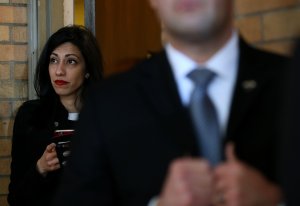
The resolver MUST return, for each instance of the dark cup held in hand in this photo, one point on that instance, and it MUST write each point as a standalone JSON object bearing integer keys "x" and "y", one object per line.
{"x": 62, "y": 139}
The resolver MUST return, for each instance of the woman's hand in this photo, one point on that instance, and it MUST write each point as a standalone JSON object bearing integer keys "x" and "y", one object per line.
{"x": 49, "y": 161}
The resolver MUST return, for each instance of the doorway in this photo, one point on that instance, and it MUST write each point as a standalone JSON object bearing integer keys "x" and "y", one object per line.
{"x": 127, "y": 32}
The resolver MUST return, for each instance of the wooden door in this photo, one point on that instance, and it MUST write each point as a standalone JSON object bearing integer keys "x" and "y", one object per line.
{"x": 127, "y": 31}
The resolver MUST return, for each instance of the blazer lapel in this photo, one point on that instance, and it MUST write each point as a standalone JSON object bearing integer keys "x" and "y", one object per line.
{"x": 158, "y": 85}
{"x": 250, "y": 81}
{"x": 160, "y": 90}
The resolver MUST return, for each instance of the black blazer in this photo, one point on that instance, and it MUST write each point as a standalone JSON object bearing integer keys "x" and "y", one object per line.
{"x": 291, "y": 133}
{"x": 33, "y": 130}
{"x": 133, "y": 125}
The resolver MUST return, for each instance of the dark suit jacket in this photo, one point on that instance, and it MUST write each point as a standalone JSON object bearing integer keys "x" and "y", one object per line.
{"x": 33, "y": 130}
{"x": 134, "y": 125}
{"x": 291, "y": 133}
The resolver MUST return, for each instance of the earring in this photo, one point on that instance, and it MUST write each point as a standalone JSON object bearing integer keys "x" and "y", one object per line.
{"x": 87, "y": 75}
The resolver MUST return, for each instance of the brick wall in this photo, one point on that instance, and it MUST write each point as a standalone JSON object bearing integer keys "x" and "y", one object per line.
{"x": 13, "y": 78}
{"x": 270, "y": 24}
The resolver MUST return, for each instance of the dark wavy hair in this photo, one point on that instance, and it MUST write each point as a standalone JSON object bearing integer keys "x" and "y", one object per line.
{"x": 86, "y": 42}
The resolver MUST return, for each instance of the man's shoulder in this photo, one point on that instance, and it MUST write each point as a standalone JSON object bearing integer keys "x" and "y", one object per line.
{"x": 255, "y": 56}
{"x": 143, "y": 70}
{"x": 248, "y": 48}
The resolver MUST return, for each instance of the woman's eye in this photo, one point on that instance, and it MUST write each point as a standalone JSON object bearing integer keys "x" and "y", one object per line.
{"x": 53, "y": 60}
{"x": 72, "y": 61}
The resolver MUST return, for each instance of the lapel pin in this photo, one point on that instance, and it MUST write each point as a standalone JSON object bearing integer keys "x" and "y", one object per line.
{"x": 249, "y": 85}
{"x": 56, "y": 124}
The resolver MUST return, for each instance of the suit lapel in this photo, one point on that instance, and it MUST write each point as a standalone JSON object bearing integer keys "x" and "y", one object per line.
{"x": 160, "y": 90}
{"x": 158, "y": 85}
{"x": 250, "y": 81}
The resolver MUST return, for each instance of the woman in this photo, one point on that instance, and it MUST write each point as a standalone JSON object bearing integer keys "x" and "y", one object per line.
{"x": 68, "y": 64}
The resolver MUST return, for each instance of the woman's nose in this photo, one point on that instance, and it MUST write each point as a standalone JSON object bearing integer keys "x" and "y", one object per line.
{"x": 60, "y": 69}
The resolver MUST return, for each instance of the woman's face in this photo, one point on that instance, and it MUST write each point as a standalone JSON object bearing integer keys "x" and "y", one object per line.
{"x": 67, "y": 70}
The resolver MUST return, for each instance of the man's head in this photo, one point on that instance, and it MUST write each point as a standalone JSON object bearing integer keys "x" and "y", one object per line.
{"x": 195, "y": 20}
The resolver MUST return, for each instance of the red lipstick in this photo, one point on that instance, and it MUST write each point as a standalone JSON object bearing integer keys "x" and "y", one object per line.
{"x": 60, "y": 82}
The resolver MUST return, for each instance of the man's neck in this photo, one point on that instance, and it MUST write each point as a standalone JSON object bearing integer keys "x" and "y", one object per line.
{"x": 201, "y": 51}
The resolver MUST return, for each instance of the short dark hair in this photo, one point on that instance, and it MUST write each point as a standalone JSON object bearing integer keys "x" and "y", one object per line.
{"x": 86, "y": 42}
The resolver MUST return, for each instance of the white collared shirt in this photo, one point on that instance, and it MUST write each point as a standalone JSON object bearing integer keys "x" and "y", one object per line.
{"x": 73, "y": 116}
{"x": 224, "y": 64}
